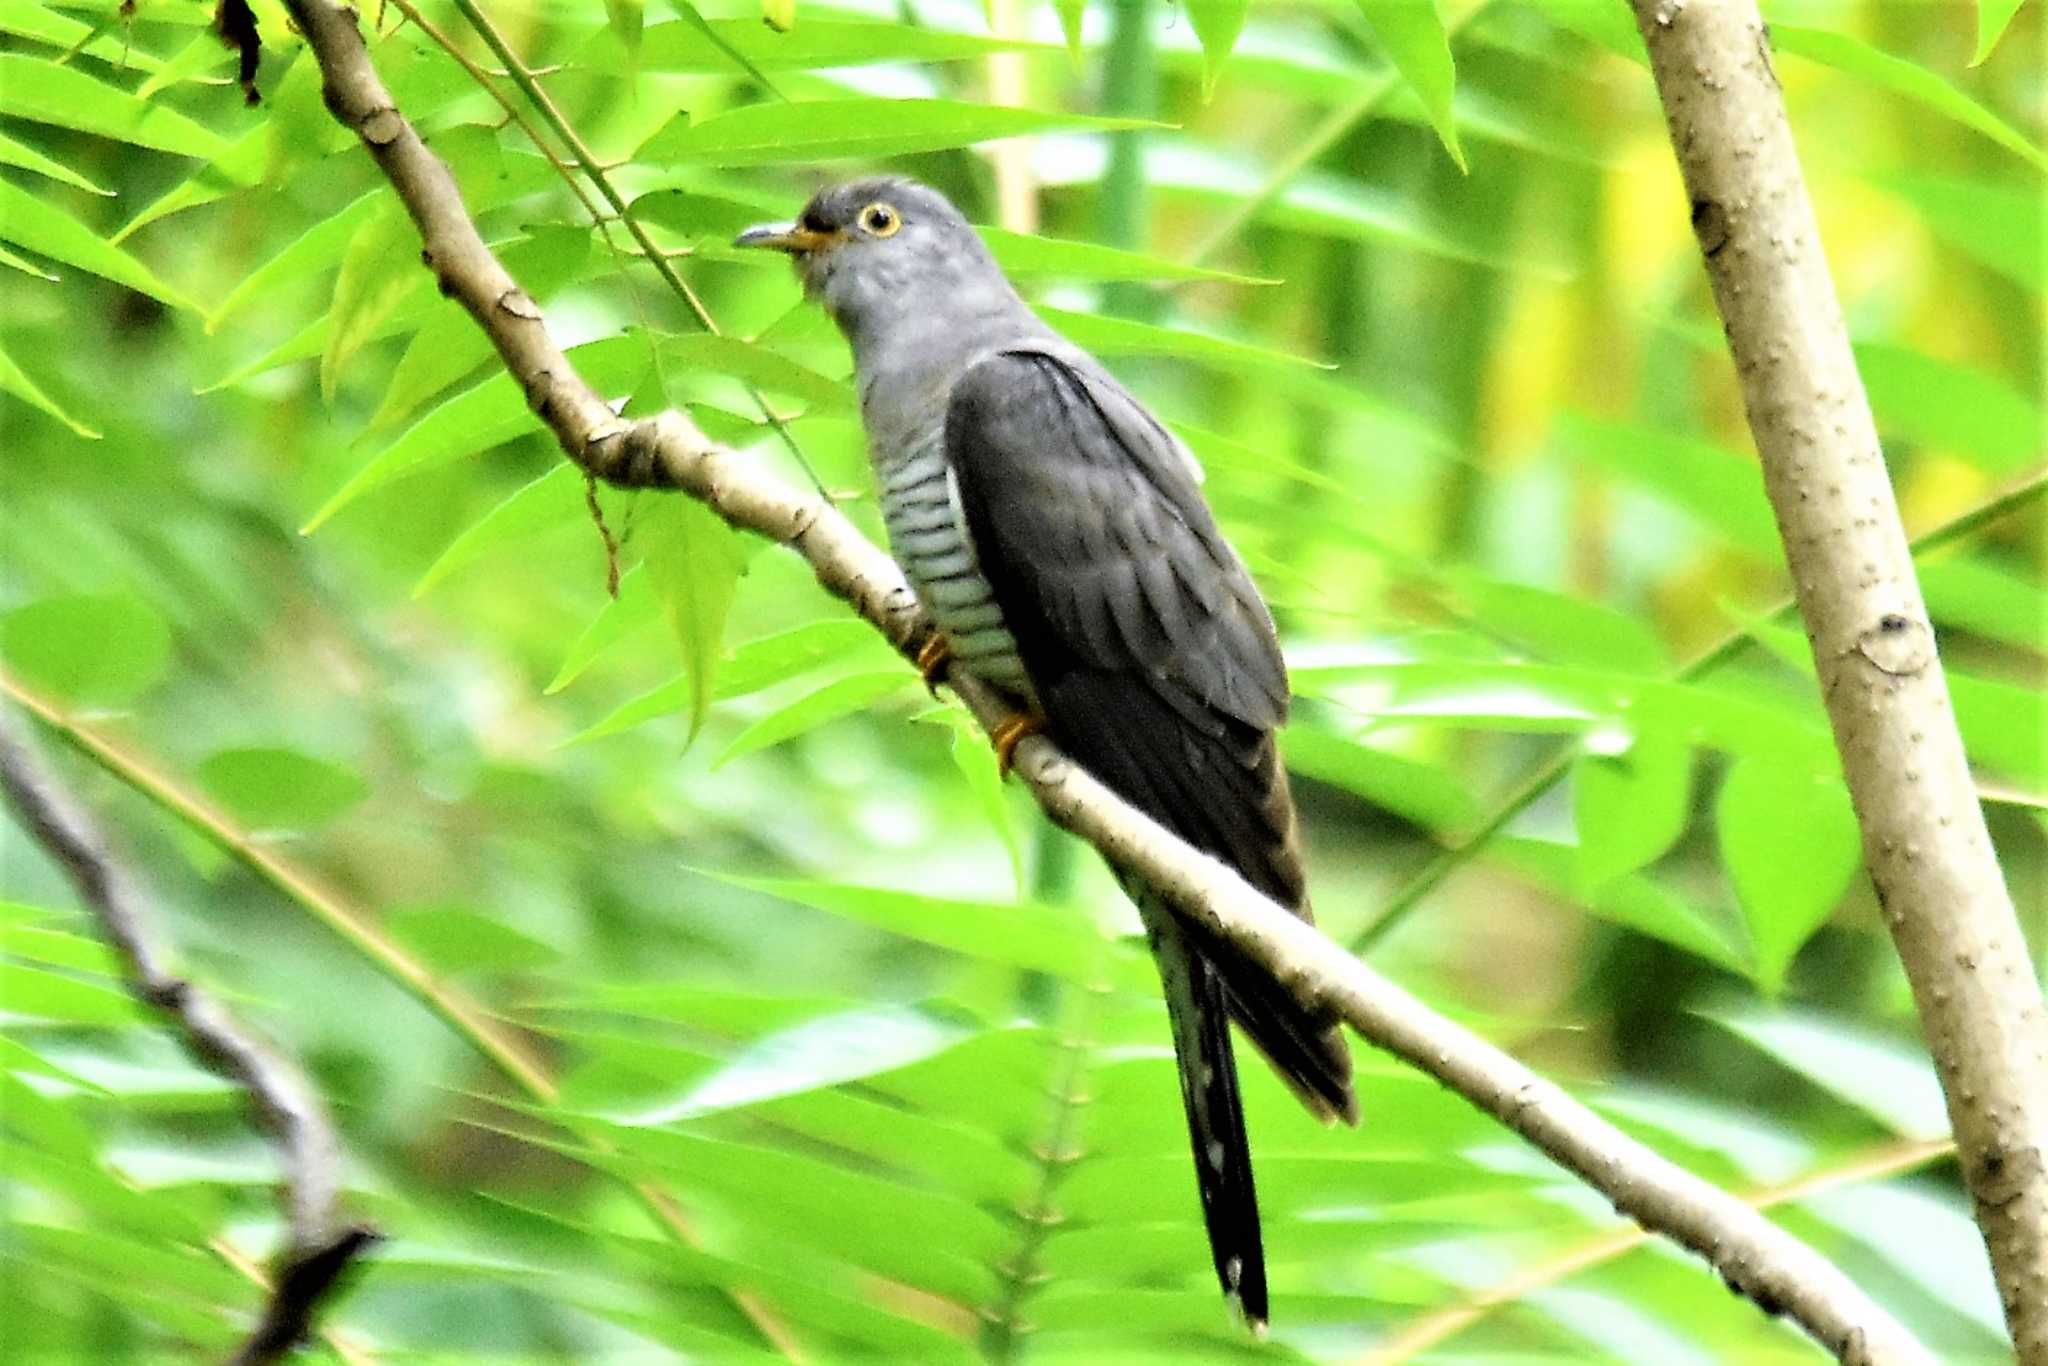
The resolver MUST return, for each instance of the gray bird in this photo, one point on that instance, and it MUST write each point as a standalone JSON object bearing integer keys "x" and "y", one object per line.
{"x": 1054, "y": 530}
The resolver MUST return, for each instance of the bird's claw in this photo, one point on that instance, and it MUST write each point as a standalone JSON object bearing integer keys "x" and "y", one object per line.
{"x": 934, "y": 659}
{"x": 1009, "y": 734}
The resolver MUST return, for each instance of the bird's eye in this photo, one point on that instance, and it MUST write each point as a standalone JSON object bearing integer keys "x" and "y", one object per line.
{"x": 879, "y": 220}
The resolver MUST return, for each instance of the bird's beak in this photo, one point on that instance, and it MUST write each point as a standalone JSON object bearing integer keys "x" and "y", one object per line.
{"x": 793, "y": 238}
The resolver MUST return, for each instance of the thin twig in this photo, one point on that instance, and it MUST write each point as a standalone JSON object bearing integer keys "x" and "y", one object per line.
{"x": 496, "y": 1044}
{"x": 319, "y": 1246}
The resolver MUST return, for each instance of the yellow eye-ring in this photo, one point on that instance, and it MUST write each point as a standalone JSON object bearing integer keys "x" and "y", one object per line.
{"x": 879, "y": 220}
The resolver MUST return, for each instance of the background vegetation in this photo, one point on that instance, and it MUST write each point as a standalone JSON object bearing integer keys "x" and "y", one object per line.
{"x": 828, "y": 1033}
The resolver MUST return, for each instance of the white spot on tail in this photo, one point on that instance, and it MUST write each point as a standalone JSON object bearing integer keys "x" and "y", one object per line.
{"x": 1216, "y": 1153}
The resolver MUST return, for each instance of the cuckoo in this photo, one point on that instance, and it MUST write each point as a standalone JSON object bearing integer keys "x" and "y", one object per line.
{"x": 1056, "y": 533}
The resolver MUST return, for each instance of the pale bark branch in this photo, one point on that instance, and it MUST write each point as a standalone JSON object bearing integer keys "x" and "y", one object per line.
{"x": 320, "y": 1245}
{"x": 1924, "y": 838}
{"x": 1752, "y": 1255}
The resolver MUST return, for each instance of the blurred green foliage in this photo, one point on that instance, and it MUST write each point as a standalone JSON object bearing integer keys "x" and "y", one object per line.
{"x": 841, "y": 1047}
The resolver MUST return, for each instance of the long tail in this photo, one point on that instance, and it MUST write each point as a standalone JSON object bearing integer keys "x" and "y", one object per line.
{"x": 1197, "y": 1006}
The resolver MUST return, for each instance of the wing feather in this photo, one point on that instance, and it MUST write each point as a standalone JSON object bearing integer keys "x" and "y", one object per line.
{"x": 1147, "y": 644}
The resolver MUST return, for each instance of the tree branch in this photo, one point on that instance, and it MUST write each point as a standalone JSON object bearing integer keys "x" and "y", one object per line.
{"x": 319, "y": 1247}
{"x": 1924, "y": 838}
{"x": 1754, "y": 1256}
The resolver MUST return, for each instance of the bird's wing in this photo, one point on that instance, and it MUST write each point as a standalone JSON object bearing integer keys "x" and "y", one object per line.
{"x": 1147, "y": 644}
{"x": 1094, "y": 506}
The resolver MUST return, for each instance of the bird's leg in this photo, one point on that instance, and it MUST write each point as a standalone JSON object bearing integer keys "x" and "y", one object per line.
{"x": 1009, "y": 733}
{"x": 934, "y": 659}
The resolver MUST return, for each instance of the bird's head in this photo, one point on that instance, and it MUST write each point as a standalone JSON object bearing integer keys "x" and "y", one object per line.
{"x": 873, "y": 251}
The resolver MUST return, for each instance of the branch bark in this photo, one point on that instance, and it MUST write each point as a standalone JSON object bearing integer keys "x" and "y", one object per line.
{"x": 1755, "y": 1257}
{"x": 1924, "y": 837}
{"x": 320, "y": 1246}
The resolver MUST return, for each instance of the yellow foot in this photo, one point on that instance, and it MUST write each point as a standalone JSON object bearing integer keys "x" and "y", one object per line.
{"x": 934, "y": 659}
{"x": 1008, "y": 735}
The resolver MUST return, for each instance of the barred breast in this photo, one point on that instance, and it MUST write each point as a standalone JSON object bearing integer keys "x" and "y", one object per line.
{"x": 928, "y": 535}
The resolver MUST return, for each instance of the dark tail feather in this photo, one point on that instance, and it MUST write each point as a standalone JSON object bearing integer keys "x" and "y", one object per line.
{"x": 1197, "y": 1006}
{"x": 1306, "y": 1048}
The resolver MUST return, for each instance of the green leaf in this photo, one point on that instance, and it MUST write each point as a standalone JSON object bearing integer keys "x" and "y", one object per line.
{"x": 1633, "y": 900}
{"x": 1024, "y": 255}
{"x": 34, "y": 994}
{"x": 1044, "y": 938}
{"x": 626, "y": 21}
{"x": 2004, "y": 725}
{"x": 695, "y": 560}
{"x": 823, "y": 130}
{"x": 1071, "y": 13}
{"x": 755, "y": 665}
{"x": 548, "y": 502}
{"x": 1983, "y": 596}
{"x": 1630, "y": 804}
{"x": 1993, "y": 17}
{"x": 1217, "y": 24}
{"x": 280, "y": 789}
{"x": 1791, "y": 844}
{"x": 449, "y": 344}
{"x": 1856, "y": 58}
{"x": 28, "y": 222}
{"x": 1126, "y": 337}
{"x": 1953, "y": 408}
{"x": 1721, "y": 488}
{"x": 1411, "y": 789}
{"x": 1926, "y": 1234}
{"x": 45, "y": 25}
{"x": 975, "y": 758}
{"x": 457, "y": 939}
{"x": 204, "y": 53}
{"x": 16, "y": 381}
{"x": 2001, "y": 226}
{"x": 1412, "y": 32}
{"x": 20, "y": 154}
{"x": 487, "y": 414}
{"x": 759, "y": 366}
{"x": 1560, "y": 628}
{"x": 842, "y": 696}
{"x": 25, "y": 266}
{"x": 1886, "y": 1077}
{"x": 699, "y": 46}
{"x": 376, "y": 276}
{"x": 59, "y": 949}
{"x": 93, "y": 651}
{"x": 821, "y": 1052}
{"x": 706, "y": 216}
{"x": 318, "y": 248}
{"x": 634, "y": 607}
{"x": 44, "y": 92}
{"x": 696, "y": 24}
